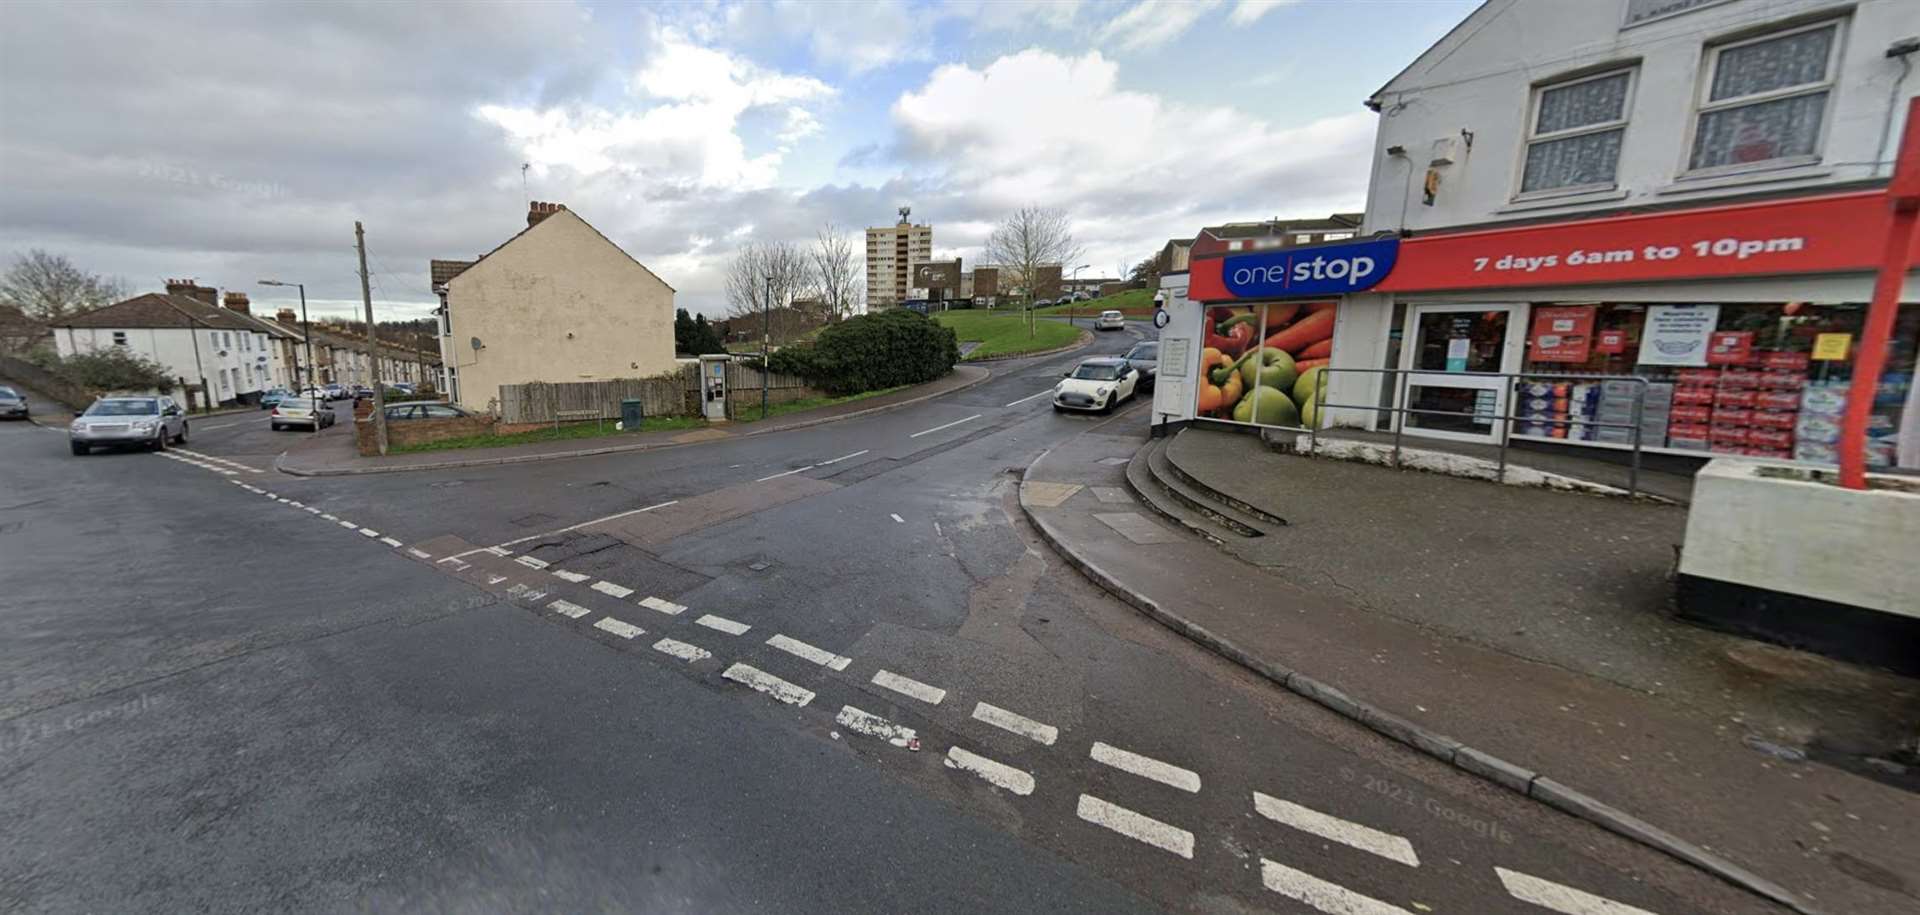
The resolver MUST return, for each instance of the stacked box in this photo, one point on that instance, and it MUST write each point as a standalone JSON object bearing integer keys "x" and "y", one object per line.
{"x": 1816, "y": 430}
{"x": 1554, "y": 409}
{"x": 1615, "y": 407}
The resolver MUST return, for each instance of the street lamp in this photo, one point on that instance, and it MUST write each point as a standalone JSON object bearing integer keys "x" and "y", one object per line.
{"x": 1071, "y": 301}
{"x": 306, "y": 335}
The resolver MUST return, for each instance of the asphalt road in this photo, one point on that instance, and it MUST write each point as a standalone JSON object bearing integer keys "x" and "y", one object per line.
{"x": 222, "y": 689}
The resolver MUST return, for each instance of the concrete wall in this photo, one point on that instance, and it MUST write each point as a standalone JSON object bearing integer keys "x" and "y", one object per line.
{"x": 417, "y": 431}
{"x": 559, "y": 303}
{"x": 1480, "y": 79}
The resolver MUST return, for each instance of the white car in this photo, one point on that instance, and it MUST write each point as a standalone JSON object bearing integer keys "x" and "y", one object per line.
{"x": 1096, "y": 384}
{"x": 307, "y": 413}
{"x": 1110, "y": 320}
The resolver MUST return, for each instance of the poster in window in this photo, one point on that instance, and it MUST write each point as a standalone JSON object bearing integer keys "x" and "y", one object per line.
{"x": 1678, "y": 334}
{"x": 1610, "y": 342}
{"x": 1562, "y": 333}
{"x": 1730, "y": 347}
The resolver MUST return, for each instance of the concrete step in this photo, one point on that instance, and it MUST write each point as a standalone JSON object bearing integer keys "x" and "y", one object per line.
{"x": 1160, "y": 465}
{"x": 1207, "y": 459}
{"x": 1141, "y": 482}
{"x": 1253, "y": 515}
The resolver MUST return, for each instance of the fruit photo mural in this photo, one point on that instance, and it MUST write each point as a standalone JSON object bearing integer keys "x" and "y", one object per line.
{"x": 1261, "y": 364}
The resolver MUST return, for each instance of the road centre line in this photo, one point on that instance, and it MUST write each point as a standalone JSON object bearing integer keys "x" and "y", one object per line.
{"x": 843, "y": 457}
{"x": 947, "y": 426}
{"x": 612, "y": 590}
{"x": 575, "y": 527}
{"x": 997, "y": 774}
{"x": 1326, "y": 896}
{"x": 389, "y": 541}
{"x": 723, "y": 624}
{"x": 347, "y": 524}
{"x": 620, "y": 628}
{"x": 332, "y": 518}
{"x": 1147, "y": 767}
{"x": 786, "y": 474}
{"x": 1043, "y": 734}
{"x": 807, "y": 652}
{"x": 314, "y": 511}
{"x": 1564, "y": 899}
{"x": 419, "y": 553}
{"x": 1332, "y": 828}
{"x": 1136, "y": 826}
{"x": 369, "y": 532}
{"x": 897, "y": 519}
{"x": 873, "y": 725}
{"x": 907, "y": 686}
{"x": 665, "y": 606}
{"x": 764, "y": 682}
{"x": 682, "y": 650}
{"x": 1030, "y": 397}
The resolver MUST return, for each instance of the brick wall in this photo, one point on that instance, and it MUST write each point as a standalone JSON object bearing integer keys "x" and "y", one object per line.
{"x": 418, "y": 431}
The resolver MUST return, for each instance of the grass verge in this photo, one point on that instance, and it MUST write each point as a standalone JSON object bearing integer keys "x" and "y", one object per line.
{"x": 748, "y": 406}
{"x": 1136, "y": 303}
{"x": 1002, "y": 333}
{"x": 567, "y": 432}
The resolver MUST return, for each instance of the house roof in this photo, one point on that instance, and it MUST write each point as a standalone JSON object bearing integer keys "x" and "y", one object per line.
{"x": 159, "y": 309}
{"x": 434, "y": 267}
{"x": 1266, "y": 227}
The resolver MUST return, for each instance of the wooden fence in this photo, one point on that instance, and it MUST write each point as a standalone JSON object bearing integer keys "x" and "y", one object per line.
{"x": 677, "y": 394}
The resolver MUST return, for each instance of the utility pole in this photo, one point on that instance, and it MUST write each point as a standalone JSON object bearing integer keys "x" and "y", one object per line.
{"x": 373, "y": 355}
{"x": 193, "y": 333}
{"x": 766, "y": 343}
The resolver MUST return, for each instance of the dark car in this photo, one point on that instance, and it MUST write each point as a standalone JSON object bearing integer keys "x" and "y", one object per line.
{"x": 1145, "y": 356}
{"x": 13, "y": 404}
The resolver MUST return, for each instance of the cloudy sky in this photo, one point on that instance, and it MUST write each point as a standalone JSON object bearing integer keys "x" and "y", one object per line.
{"x": 234, "y": 142}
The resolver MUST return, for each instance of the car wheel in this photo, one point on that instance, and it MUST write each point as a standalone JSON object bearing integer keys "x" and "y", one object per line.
{"x": 181, "y": 439}
{"x": 277, "y": 427}
{"x": 79, "y": 448}
{"x": 160, "y": 440}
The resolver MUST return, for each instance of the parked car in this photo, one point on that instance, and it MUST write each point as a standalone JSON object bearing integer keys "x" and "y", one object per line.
{"x": 337, "y": 392}
{"x": 1145, "y": 359}
{"x": 304, "y": 412}
{"x": 362, "y": 392}
{"x": 149, "y": 422}
{"x": 404, "y": 387}
{"x": 1082, "y": 296}
{"x": 1110, "y": 320}
{"x": 410, "y": 411}
{"x": 13, "y": 404}
{"x": 1096, "y": 384}
{"x": 272, "y": 397}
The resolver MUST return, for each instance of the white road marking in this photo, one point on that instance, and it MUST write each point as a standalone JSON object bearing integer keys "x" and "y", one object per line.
{"x": 332, "y": 518}
{"x": 767, "y": 683}
{"x": 369, "y": 532}
{"x": 348, "y": 525}
{"x": 620, "y": 628}
{"x": 309, "y": 509}
{"x": 531, "y": 562}
{"x": 908, "y": 686}
{"x": 453, "y": 559}
{"x": 786, "y": 474}
{"x": 569, "y": 609}
{"x": 1331, "y": 898}
{"x": 574, "y": 577}
{"x": 1147, "y": 767}
{"x": 723, "y": 624}
{"x": 667, "y": 607}
{"x": 1353, "y": 835}
{"x": 459, "y": 566}
{"x": 389, "y": 541}
{"x": 803, "y": 650}
{"x": 609, "y": 588}
{"x": 575, "y": 527}
{"x": 1564, "y": 899}
{"x": 1044, "y": 734}
{"x": 682, "y": 650}
{"x": 296, "y": 504}
{"x": 997, "y": 774}
{"x": 843, "y": 457}
{"x": 872, "y": 725}
{"x": 1030, "y": 397}
{"x": 283, "y": 500}
{"x": 500, "y": 550}
{"x": 496, "y": 579}
{"x": 947, "y": 426}
{"x": 897, "y": 519}
{"x": 419, "y": 553}
{"x": 1136, "y": 826}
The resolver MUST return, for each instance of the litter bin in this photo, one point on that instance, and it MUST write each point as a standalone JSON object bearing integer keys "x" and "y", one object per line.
{"x": 631, "y": 414}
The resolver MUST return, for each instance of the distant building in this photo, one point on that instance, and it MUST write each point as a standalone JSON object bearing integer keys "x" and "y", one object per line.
{"x": 892, "y": 253}
{"x": 1259, "y": 236}
{"x": 187, "y": 332}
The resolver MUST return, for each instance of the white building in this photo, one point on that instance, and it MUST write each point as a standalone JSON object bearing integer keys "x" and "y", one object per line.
{"x": 188, "y": 335}
{"x": 892, "y": 253}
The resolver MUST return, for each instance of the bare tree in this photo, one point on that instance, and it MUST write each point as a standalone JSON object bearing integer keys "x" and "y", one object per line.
{"x": 767, "y": 275}
{"x": 1033, "y": 237}
{"x": 48, "y": 286}
{"x": 839, "y": 273}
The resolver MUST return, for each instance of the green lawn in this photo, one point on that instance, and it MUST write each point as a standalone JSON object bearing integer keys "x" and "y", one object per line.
{"x": 1137, "y": 303}
{"x": 746, "y": 404}
{"x": 566, "y": 432}
{"x": 1005, "y": 331}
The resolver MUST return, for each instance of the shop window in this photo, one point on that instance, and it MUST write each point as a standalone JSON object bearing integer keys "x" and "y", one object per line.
{"x": 1765, "y": 100}
{"x": 1574, "y": 140}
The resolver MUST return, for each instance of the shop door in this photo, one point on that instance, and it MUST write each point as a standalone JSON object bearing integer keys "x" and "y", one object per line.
{"x": 1453, "y": 365}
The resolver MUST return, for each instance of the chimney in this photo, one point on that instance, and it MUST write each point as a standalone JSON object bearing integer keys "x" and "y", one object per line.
{"x": 537, "y": 211}
{"x": 193, "y": 290}
{"x": 238, "y": 302}
{"x": 286, "y": 316}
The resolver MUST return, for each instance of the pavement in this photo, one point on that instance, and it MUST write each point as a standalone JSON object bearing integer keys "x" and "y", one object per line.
{"x": 688, "y": 679}
{"x": 1527, "y": 625}
{"x": 336, "y": 455}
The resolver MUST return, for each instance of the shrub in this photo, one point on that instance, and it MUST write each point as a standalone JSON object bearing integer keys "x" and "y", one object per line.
{"x": 113, "y": 369}
{"x": 873, "y": 351}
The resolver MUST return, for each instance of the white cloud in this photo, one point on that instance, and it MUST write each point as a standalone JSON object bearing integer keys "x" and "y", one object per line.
{"x": 1013, "y": 15}
{"x": 1247, "y": 12}
{"x": 1151, "y": 23}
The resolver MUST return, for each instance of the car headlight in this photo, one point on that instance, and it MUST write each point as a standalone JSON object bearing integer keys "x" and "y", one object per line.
{"x": 78, "y": 425}
{"x": 1101, "y": 392}
{"x": 143, "y": 425}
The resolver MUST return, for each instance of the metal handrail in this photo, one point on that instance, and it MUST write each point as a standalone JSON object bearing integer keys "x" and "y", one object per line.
{"x": 1506, "y": 418}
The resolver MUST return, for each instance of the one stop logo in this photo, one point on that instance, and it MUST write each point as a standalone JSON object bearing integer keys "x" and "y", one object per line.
{"x": 1312, "y": 271}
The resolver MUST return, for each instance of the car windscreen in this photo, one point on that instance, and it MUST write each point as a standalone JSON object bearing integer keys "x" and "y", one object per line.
{"x": 1149, "y": 351}
{"x": 1097, "y": 373}
{"x": 9, "y": 394}
{"x": 124, "y": 408}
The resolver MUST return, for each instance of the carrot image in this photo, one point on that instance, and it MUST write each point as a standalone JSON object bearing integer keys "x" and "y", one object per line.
{"x": 1305, "y": 364}
{"x": 1319, "y": 350}
{"x": 1305, "y": 332}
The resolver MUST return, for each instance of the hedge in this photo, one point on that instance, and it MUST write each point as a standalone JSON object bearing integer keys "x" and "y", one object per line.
{"x": 873, "y": 351}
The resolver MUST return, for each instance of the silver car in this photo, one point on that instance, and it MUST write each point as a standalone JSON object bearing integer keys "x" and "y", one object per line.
{"x": 13, "y": 404}
{"x": 149, "y": 422}
{"x": 1110, "y": 320}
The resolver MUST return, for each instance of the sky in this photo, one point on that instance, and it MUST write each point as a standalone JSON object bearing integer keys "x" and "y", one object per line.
{"x": 231, "y": 143}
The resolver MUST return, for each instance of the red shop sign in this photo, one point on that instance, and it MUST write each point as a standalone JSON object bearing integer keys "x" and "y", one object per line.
{"x": 1829, "y": 233}
{"x": 1611, "y": 341}
{"x": 1729, "y": 347}
{"x": 1562, "y": 333}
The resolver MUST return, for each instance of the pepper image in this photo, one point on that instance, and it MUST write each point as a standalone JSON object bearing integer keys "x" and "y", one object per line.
{"x": 1219, "y": 383}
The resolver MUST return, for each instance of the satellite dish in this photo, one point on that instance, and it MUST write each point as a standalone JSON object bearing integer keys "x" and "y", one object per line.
{"x": 475, "y": 343}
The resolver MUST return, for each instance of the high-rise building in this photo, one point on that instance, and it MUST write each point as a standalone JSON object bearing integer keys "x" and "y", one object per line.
{"x": 892, "y": 253}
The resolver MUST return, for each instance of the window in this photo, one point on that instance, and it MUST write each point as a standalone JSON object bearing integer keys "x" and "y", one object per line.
{"x": 1765, "y": 100}
{"x": 1574, "y": 139}
{"x": 119, "y": 338}
{"x": 446, "y": 321}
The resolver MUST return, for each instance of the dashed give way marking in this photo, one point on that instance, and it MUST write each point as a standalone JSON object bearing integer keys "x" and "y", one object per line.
{"x": 1350, "y": 834}
{"x": 666, "y": 606}
{"x": 682, "y": 650}
{"x": 762, "y": 681}
{"x": 1331, "y": 898}
{"x": 1147, "y": 767}
{"x": 1044, "y": 734}
{"x": 1136, "y": 826}
{"x": 907, "y": 686}
{"x": 620, "y": 628}
{"x": 997, "y": 774}
{"x": 568, "y": 609}
{"x": 574, "y": 577}
{"x": 1564, "y": 899}
{"x": 611, "y": 589}
{"x": 805, "y": 651}
{"x": 872, "y": 725}
{"x": 722, "y": 624}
